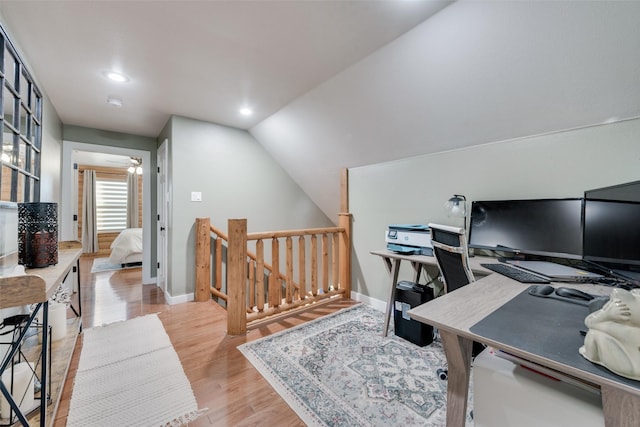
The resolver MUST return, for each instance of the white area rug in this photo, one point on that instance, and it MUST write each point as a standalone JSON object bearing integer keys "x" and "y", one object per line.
{"x": 103, "y": 264}
{"x": 130, "y": 375}
{"x": 338, "y": 371}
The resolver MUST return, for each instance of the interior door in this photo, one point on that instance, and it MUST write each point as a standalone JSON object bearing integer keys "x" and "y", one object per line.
{"x": 163, "y": 214}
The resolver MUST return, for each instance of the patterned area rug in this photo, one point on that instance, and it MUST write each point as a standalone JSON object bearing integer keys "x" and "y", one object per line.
{"x": 102, "y": 264}
{"x": 130, "y": 375}
{"x": 340, "y": 371}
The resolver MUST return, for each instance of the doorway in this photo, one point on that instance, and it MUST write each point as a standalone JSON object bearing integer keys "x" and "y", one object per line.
{"x": 68, "y": 223}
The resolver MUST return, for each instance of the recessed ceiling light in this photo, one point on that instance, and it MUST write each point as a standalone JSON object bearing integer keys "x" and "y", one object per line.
{"x": 116, "y": 76}
{"x": 246, "y": 111}
{"x": 115, "y": 102}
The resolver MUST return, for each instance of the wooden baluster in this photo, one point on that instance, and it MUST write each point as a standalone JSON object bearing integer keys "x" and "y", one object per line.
{"x": 252, "y": 284}
{"x": 216, "y": 290}
{"x": 219, "y": 263}
{"x": 260, "y": 274}
{"x": 203, "y": 260}
{"x": 325, "y": 263}
{"x": 334, "y": 261}
{"x": 314, "y": 265}
{"x": 237, "y": 274}
{"x": 275, "y": 284}
{"x": 302, "y": 274}
{"x": 289, "y": 266}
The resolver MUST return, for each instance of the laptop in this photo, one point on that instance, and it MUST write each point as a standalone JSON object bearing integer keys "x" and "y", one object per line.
{"x": 557, "y": 272}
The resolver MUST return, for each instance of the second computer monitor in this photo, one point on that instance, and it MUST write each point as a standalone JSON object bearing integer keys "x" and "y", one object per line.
{"x": 546, "y": 227}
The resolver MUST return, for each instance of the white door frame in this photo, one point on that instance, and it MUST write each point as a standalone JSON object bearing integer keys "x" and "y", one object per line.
{"x": 163, "y": 217}
{"x": 69, "y": 187}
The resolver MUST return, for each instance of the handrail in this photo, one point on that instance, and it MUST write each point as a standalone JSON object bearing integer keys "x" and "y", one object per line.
{"x": 219, "y": 232}
{"x": 293, "y": 233}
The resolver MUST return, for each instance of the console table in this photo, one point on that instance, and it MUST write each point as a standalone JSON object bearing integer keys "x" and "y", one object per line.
{"x": 36, "y": 287}
{"x": 455, "y": 313}
{"x": 392, "y": 261}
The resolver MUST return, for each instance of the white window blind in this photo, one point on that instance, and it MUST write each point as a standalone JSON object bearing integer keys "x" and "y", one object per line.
{"x": 111, "y": 204}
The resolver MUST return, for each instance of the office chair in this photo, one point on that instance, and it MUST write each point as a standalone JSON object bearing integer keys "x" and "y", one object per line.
{"x": 452, "y": 256}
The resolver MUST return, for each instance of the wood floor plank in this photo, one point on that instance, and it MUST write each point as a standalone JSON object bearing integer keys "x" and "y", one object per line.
{"x": 223, "y": 381}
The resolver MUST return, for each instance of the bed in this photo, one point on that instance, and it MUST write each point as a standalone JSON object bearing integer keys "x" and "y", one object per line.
{"x": 127, "y": 247}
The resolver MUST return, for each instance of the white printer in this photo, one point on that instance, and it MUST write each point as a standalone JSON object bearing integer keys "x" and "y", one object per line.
{"x": 409, "y": 239}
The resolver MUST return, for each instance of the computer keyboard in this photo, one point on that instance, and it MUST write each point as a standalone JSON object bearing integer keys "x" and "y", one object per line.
{"x": 515, "y": 273}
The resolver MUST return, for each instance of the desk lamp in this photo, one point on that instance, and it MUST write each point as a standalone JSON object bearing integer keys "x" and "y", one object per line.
{"x": 457, "y": 207}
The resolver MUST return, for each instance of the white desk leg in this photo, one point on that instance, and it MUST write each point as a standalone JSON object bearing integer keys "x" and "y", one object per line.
{"x": 458, "y": 352}
{"x": 392, "y": 292}
{"x": 621, "y": 409}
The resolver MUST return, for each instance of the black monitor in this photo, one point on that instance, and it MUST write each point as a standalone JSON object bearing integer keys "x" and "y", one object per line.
{"x": 545, "y": 227}
{"x": 612, "y": 232}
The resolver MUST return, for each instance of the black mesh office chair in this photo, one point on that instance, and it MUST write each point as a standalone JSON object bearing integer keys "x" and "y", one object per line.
{"x": 452, "y": 255}
{"x": 450, "y": 249}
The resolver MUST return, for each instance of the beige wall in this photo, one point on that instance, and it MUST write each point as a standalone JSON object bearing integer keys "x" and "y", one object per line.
{"x": 414, "y": 190}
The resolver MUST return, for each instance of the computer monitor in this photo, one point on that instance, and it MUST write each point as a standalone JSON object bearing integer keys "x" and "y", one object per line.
{"x": 612, "y": 232}
{"x": 545, "y": 227}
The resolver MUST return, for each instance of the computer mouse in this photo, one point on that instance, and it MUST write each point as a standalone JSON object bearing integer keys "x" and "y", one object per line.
{"x": 541, "y": 290}
{"x": 573, "y": 293}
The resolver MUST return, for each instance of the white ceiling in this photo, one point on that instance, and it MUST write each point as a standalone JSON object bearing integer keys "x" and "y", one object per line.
{"x": 198, "y": 59}
{"x": 338, "y": 84}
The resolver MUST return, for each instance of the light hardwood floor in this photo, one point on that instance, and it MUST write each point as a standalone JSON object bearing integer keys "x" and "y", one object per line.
{"x": 223, "y": 381}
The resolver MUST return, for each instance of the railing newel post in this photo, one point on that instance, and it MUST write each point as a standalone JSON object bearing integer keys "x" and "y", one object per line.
{"x": 344, "y": 221}
{"x": 236, "y": 277}
{"x": 203, "y": 260}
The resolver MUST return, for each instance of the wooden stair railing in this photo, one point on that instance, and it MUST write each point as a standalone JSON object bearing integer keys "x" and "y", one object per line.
{"x": 249, "y": 299}
{"x": 202, "y": 224}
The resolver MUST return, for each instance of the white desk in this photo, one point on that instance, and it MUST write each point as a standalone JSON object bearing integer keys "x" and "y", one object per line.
{"x": 392, "y": 262}
{"x": 455, "y": 313}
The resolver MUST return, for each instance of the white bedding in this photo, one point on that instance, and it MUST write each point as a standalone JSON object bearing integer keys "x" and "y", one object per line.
{"x": 127, "y": 247}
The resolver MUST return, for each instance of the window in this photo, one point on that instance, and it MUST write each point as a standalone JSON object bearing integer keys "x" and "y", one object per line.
{"x": 21, "y": 123}
{"x": 111, "y": 204}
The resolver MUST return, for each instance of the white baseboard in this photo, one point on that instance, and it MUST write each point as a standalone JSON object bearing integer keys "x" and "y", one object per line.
{"x": 365, "y": 299}
{"x": 171, "y": 300}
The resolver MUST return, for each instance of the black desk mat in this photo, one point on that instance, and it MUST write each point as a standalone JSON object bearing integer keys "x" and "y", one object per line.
{"x": 546, "y": 327}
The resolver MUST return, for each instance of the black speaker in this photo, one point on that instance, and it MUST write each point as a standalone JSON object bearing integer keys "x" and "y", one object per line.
{"x": 408, "y": 296}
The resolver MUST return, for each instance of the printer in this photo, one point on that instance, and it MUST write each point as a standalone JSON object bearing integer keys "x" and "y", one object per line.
{"x": 409, "y": 239}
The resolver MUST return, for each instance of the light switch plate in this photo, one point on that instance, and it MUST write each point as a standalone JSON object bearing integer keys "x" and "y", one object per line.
{"x": 196, "y": 196}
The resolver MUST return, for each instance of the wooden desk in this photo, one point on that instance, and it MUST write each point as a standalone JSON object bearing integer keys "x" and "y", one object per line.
{"x": 392, "y": 262}
{"x": 455, "y": 313}
{"x": 36, "y": 287}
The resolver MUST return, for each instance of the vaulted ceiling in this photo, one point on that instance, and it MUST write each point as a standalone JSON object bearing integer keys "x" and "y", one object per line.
{"x": 197, "y": 59}
{"x": 338, "y": 84}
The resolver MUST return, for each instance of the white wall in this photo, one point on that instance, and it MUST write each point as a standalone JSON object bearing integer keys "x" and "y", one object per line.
{"x": 414, "y": 190}
{"x": 477, "y": 71}
{"x": 237, "y": 179}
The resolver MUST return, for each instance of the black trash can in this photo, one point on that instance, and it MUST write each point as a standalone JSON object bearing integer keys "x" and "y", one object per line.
{"x": 408, "y": 296}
